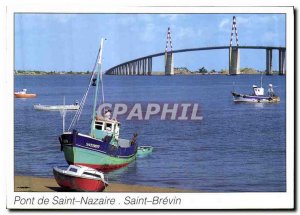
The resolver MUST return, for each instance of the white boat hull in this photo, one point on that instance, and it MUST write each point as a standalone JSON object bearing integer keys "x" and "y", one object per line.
{"x": 254, "y": 99}
{"x": 80, "y": 178}
{"x": 56, "y": 107}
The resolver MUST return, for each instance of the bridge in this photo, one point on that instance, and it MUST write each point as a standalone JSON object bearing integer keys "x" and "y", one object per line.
{"x": 143, "y": 65}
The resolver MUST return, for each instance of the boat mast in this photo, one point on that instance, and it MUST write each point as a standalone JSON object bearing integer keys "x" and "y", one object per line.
{"x": 261, "y": 77}
{"x": 98, "y": 68}
{"x": 64, "y": 114}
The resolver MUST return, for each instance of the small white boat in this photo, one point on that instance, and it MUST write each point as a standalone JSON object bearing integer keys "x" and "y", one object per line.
{"x": 80, "y": 178}
{"x": 56, "y": 107}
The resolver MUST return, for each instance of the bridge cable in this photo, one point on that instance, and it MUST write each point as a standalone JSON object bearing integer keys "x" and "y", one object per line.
{"x": 169, "y": 39}
{"x": 234, "y": 30}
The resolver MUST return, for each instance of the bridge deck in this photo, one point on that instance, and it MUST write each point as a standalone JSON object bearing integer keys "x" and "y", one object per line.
{"x": 197, "y": 49}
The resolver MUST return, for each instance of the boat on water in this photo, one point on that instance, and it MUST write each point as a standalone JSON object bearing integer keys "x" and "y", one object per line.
{"x": 56, "y": 107}
{"x": 144, "y": 151}
{"x": 102, "y": 148}
{"x": 258, "y": 95}
{"x": 80, "y": 178}
{"x": 23, "y": 94}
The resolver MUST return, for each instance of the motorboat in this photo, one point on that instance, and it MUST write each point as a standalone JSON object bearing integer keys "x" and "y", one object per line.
{"x": 23, "y": 94}
{"x": 73, "y": 107}
{"x": 258, "y": 95}
{"x": 80, "y": 178}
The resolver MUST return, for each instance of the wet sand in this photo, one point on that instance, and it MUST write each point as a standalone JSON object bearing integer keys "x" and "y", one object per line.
{"x": 35, "y": 184}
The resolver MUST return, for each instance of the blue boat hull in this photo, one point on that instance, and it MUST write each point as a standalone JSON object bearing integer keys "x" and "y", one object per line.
{"x": 99, "y": 154}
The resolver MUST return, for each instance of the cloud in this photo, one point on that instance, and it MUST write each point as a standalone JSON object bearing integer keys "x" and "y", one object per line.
{"x": 254, "y": 20}
{"x": 148, "y": 32}
{"x": 259, "y": 28}
{"x": 224, "y": 23}
{"x": 267, "y": 19}
{"x": 187, "y": 32}
{"x": 185, "y": 36}
{"x": 145, "y": 17}
{"x": 124, "y": 20}
{"x": 62, "y": 18}
{"x": 243, "y": 20}
{"x": 270, "y": 37}
{"x": 169, "y": 17}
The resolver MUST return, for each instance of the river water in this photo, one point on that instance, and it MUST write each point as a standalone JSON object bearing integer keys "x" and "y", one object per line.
{"x": 235, "y": 148}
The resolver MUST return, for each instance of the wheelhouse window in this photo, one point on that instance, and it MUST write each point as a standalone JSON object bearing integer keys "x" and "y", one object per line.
{"x": 109, "y": 126}
{"x": 99, "y": 125}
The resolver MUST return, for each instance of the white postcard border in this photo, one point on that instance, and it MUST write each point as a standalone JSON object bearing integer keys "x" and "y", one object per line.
{"x": 189, "y": 200}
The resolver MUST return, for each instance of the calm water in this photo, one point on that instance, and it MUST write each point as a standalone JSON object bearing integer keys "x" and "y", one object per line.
{"x": 236, "y": 147}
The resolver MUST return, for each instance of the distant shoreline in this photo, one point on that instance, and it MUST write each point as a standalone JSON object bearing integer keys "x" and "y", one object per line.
{"x": 153, "y": 74}
{"x": 244, "y": 71}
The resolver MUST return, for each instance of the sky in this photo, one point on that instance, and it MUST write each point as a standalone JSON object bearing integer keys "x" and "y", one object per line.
{"x": 70, "y": 42}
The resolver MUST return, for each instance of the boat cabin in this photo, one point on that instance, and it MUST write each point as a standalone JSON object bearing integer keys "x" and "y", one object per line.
{"x": 105, "y": 127}
{"x": 258, "y": 91}
{"x": 83, "y": 171}
{"x": 22, "y": 92}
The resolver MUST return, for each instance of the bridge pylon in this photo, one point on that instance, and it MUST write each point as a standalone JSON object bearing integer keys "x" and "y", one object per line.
{"x": 282, "y": 61}
{"x": 234, "y": 53}
{"x": 169, "y": 60}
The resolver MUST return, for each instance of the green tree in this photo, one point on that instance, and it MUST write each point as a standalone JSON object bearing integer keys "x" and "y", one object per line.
{"x": 202, "y": 70}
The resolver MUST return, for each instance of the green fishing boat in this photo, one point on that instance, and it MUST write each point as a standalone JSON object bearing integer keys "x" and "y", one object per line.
{"x": 102, "y": 148}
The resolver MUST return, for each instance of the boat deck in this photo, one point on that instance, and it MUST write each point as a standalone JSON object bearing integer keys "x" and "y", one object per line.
{"x": 124, "y": 143}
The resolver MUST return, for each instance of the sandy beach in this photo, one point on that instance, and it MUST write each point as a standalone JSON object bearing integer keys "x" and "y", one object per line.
{"x": 35, "y": 184}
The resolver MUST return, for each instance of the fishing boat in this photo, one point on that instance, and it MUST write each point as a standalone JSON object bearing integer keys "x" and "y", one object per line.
{"x": 23, "y": 94}
{"x": 258, "y": 95}
{"x": 80, "y": 178}
{"x": 102, "y": 148}
{"x": 56, "y": 107}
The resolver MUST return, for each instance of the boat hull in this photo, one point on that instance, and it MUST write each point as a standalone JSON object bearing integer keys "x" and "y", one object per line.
{"x": 78, "y": 183}
{"x": 254, "y": 99}
{"x": 83, "y": 150}
{"x": 24, "y": 96}
{"x": 55, "y": 107}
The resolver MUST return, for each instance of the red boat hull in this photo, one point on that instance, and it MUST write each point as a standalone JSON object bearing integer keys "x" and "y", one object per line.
{"x": 24, "y": 96}
{"x": 78, "y": 183}
{"x": 104, "y": 168}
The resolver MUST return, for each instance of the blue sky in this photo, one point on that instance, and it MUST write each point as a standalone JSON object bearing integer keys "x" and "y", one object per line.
{"x": 69, "y": 42}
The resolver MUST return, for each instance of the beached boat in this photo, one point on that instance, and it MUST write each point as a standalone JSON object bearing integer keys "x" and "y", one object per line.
{"x": 258, "y": 95}
{"x": 56, "y": 107}
{"x": 23, "y": 94}
{"x": 102, "y": 148}
{"x": 144, "y": 151}
{"x": 80, "y": 178}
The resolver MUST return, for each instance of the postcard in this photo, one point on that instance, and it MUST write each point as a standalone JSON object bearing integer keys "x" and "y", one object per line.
{"x": 149, "y": 107}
